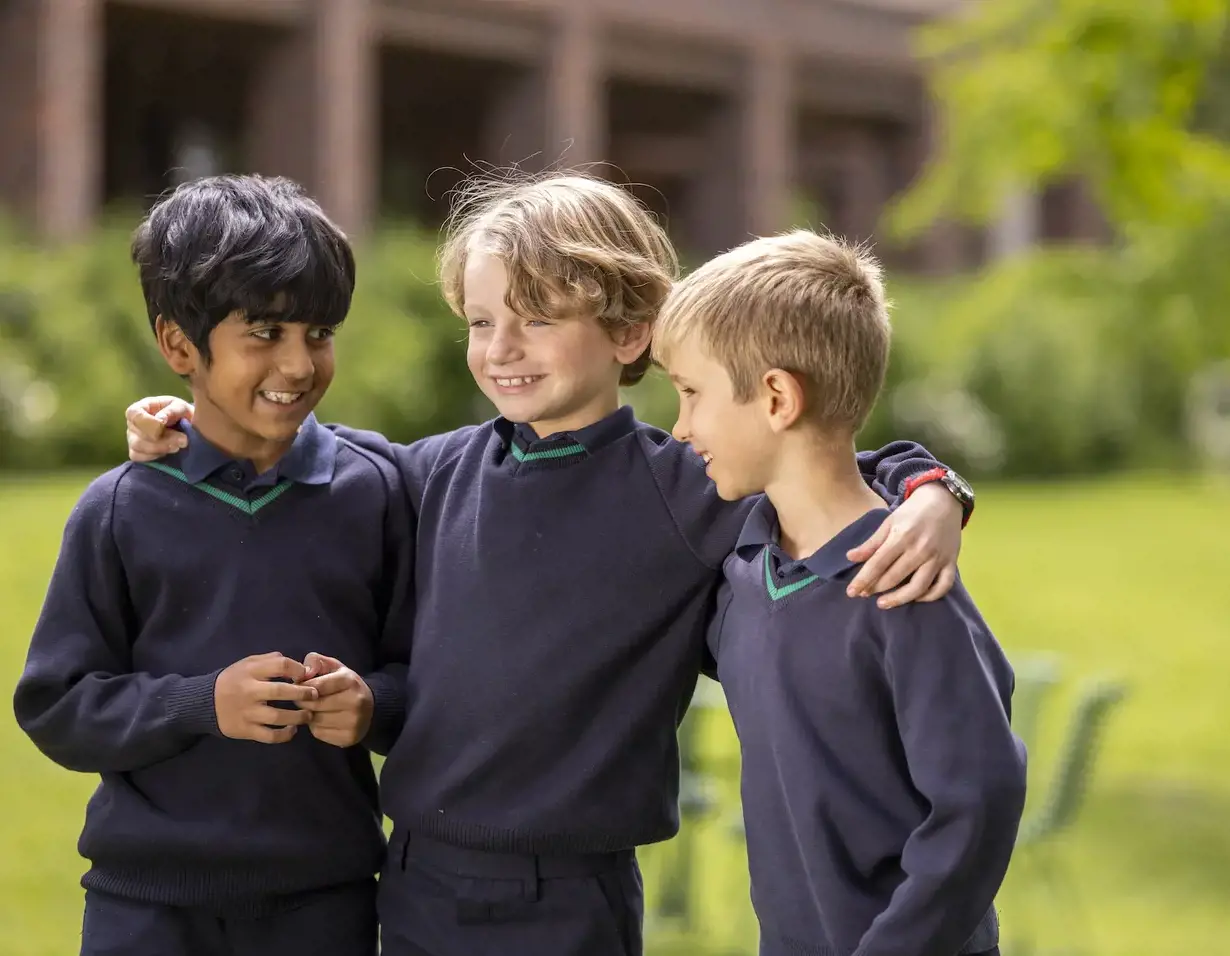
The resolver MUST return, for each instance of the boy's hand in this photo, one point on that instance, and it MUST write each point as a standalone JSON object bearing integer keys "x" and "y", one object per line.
{"x": 923, "y": 538}
{"x": 150, "y": 434}
{"x": 342, "y": 713}
{"x": 243, "y": 691}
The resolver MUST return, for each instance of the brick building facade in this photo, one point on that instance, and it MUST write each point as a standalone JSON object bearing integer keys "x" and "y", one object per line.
{"x": 726, "y": 111}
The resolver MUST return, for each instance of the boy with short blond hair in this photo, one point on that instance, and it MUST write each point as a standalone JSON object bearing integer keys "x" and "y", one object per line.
{"x": 882, "y": 785}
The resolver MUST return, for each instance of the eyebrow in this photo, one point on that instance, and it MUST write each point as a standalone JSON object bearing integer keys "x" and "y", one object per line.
{"x": 264, "y": 315}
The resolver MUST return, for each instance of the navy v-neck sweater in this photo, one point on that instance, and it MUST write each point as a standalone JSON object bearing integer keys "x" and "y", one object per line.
{"x": 562, "y": 588}
{"x": 169, "y": 573}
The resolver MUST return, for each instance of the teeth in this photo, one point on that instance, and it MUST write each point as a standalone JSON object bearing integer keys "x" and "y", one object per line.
{"x": 282, "y": 398}
{"x": 520, "y": 380}
{"x": 706, "y": 457}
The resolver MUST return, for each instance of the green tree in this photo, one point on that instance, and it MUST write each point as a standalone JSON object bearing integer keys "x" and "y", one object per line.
{"x": 1132, "y": 97}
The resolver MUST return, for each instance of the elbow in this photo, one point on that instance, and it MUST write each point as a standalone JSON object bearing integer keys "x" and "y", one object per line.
{"x": 1001, "y": 795}
{"x": 55, "y": 748}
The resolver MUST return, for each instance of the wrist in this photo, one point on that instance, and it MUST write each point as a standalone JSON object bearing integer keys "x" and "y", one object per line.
{"x": 954, "y": 484}
{"x": 191, "y": 704}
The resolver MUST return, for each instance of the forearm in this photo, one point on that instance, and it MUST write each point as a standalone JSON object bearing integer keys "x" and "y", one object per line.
{"x": 105, "y": 723}
{"x": 388, "y": 688}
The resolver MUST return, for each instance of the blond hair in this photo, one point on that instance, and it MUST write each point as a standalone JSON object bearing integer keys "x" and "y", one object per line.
{"x": 573, "y": 245}
{"x": 811, "y": 305}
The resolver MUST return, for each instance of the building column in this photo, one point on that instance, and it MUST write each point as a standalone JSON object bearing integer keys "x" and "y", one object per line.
{"x": 576, "y": 121}
{"x": 743, "y": 184}
{"x": 942, "y": 250}
{"x": 770, "y": 144}
{"x": 1018, "y": 227}
{"x": 50, "y": 121}
{"x": 313, "y": 111}
{"x": 19, "y": 106}
{"x": 866, "y": 180}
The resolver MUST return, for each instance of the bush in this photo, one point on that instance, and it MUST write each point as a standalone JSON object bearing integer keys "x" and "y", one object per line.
{"x": 76, "y": 349}
{"x": 1062, "y": 362}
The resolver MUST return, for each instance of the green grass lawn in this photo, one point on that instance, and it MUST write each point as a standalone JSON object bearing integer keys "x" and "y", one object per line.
{"x": 1130, "y": 577}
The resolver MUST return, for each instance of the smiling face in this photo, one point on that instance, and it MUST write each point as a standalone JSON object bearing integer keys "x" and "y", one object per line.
{"x": 734, "y": 438}
{"x": 557, "y": 373}
{"x": 262, "y": 379}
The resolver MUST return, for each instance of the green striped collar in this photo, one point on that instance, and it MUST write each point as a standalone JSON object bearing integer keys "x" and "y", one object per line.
{"x": 562, "y": 448}
{"x": 248, "y": 507}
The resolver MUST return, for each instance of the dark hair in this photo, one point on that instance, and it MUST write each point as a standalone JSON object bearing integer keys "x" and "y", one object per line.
{"x": 237, "y": 243}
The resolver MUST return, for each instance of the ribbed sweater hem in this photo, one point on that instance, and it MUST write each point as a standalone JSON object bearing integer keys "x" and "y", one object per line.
{"x": 774, "y": 944}
{"x": 478, "y": 836}
{"x": 236, "y": 890}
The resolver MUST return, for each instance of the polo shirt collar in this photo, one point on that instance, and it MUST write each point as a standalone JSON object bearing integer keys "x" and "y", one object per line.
{"x": 761, "y": 529}
{"x": 309, "y": 461}
{"x": 522, "y": 440}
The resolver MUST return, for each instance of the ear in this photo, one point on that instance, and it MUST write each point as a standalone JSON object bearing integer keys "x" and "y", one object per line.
{"x": 631, "y": 341}
{"x": 180, "y": 353}
{"x": 784, "y": 397}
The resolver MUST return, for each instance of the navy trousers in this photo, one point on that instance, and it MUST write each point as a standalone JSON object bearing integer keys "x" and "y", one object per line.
{"x": 440, "y": 900}
{"x": 339, "y": 921}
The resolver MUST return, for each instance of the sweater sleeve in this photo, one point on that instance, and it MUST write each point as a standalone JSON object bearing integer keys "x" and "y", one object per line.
{"x": 78, "y": 698}
{"x": 388, "y": 683}
{"x": 414, "y": 462}
{"x": 951, "y": 689}
{"x": 887, "y": 469}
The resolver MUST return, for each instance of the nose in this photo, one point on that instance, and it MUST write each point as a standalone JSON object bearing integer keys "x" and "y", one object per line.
{"x": 505, "y": 346}
{"x": 294, "y": 360}
{"x": 682, "y": 431}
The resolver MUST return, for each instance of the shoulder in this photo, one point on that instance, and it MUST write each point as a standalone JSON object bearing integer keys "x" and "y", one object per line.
{"x": 94, "y": 511}
{"x": 440, "y": 450}
{"x": 955, "y": 616}
{"x": 950, "y": 629}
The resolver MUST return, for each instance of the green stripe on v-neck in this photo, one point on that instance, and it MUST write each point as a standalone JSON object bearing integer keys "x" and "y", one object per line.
{"x": 777, "y": 593}
{"x": 240, "y": 504}
{"x": 562, "y": 452}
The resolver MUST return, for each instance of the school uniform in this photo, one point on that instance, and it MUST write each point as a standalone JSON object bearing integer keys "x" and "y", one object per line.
{"x": 562, "y": 590}
{"x": 882, "y": 785}
{"x": 200, "y": 845}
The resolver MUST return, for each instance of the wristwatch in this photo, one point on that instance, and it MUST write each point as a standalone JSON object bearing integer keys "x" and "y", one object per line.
{"x": 957, "y": 486}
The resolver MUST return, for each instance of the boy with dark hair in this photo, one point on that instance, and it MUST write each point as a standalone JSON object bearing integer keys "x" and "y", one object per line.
{"x": 882, "y": 786}
{"x": 175, "y": 637}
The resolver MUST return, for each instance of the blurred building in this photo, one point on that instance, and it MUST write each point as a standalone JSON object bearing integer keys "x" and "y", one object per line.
{"x": 730, "y": 114}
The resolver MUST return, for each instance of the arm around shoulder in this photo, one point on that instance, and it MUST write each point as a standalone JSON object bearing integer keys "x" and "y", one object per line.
{"x": 951, "y": 687}
{"x": 78, "y": 698}
{"x": 388, "y": 683}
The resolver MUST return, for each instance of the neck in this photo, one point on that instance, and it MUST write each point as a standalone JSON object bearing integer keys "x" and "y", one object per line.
{"x": 817, "y": 490}
{"x": 591, "y": 413}
{"x": 223, "y": 434}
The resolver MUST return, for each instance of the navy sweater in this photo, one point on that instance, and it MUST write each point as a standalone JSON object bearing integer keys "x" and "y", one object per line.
{"x": 562, "y": 591}
{"x": 169, "y": 573}
{"x": 882, "y": 786}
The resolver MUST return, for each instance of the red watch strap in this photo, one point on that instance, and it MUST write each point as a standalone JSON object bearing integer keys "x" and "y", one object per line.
{"x": 923, "y": 478}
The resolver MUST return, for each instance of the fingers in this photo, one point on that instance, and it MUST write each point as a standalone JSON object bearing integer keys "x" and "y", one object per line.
{"x": 263, "y": 715}
{"x": 272, "y": 735}
{"x": 915, "y": 588}
{"x": 276, "y": 690}
{"x": 336, "y": 682}
{"x": 886, "y": 555}
{"x": 274, "y": 665}
{"x": 317, "y": 664}
{"x": 148, "y": 429}
{"x": 335, "y": 737}
{"x": 943, "y": 584}
{"x": 872, "y": 544}
{"x": 910, "y": 562}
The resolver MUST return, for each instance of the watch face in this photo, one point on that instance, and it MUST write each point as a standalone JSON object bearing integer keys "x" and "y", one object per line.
{"x": 959, "y": 486}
